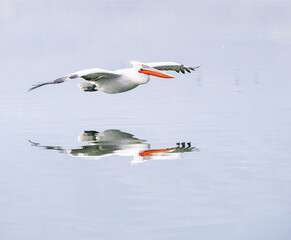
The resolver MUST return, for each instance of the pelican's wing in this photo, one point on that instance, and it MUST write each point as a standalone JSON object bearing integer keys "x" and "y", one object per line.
{"x": 92, "y": 74}
{"x": 171, "y": 66}
{"x": 95, "y": 74}
{"x": 58, "y": 80}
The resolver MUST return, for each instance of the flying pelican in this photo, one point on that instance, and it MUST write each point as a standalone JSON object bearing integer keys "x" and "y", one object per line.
{"x": 121, "y": 80}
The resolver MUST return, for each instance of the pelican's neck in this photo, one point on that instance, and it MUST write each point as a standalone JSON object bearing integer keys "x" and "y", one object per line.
{"x": 136, "y": 77}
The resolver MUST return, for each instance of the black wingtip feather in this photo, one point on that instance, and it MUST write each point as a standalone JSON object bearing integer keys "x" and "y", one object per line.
{"x": 193, "y": 68}
{"x": 38, "y": 85}
{"x": 58, "y": 80}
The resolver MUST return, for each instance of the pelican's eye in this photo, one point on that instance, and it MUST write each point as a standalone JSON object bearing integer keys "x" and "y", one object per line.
{"x": 142, "y": 65}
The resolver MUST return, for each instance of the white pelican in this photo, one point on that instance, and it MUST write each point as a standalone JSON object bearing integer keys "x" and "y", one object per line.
{"x": 121, "y": 80}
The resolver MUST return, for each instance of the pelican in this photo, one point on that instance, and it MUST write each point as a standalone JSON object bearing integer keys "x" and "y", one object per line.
{"x": 121, "y": 80}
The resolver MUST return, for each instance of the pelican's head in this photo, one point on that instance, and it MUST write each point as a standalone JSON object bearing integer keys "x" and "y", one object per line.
{"x": 144, "y": 69}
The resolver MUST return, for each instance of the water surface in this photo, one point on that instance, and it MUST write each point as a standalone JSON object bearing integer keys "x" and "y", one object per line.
{"x": 235, "y": 109}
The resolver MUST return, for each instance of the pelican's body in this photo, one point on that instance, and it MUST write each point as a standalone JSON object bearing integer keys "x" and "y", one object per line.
{"x": 126, "y": 80}
{"x": 121, "y": 80}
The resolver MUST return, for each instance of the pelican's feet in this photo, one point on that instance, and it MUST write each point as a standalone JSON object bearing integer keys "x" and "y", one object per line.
{"x": 87, "y": 87}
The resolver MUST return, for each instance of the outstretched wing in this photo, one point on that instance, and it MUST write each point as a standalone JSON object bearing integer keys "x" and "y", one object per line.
{"x": 95, "y": 74}
{"x": 172, "y": 66}
{"x": 92, "y": 74}
{"x": 58, "y": 80}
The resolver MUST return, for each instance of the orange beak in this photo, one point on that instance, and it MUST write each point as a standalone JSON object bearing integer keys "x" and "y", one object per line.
{"x": 155, "y": 72}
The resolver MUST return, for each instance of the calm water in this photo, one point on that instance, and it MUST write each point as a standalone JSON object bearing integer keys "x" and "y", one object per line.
{"x": 71, "y": 165}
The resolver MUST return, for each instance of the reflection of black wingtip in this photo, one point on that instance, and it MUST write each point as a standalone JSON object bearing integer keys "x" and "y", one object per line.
{"x": 195, "y": 149}
{"x": 33, "y": 143}
{"x": 181, "y": 147}
{"x": 30, "y": 89}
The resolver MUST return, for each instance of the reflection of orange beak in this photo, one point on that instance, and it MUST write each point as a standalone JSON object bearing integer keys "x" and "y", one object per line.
{"x": 155, "y": 72}
{"x": 151, "y": 152}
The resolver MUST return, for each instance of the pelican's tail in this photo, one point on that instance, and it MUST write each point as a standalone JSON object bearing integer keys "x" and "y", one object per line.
{"x": 87, "y": 87}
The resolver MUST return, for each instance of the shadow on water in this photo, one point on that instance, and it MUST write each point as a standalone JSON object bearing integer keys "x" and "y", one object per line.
{"x": 115, "y": 142}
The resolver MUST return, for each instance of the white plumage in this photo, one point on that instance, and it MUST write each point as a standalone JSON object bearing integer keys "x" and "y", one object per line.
{"x": 121, "y": 80}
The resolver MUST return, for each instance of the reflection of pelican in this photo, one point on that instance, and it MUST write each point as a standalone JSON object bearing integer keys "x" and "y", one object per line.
{"x": 120, "y": 80}
{"x": 115, "y": 142}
